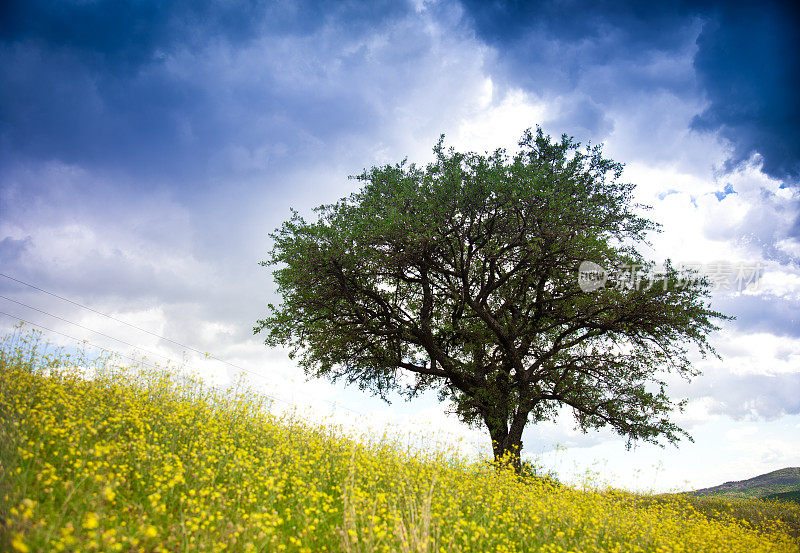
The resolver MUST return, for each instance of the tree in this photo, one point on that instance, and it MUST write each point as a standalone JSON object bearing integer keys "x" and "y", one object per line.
{"x": 464, "y": 275}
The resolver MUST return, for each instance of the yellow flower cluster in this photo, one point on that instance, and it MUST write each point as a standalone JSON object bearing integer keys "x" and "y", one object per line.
{"x": 141, "y": 460}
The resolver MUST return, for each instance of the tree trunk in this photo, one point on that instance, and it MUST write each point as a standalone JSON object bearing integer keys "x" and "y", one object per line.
{"x": 507, "y": 442}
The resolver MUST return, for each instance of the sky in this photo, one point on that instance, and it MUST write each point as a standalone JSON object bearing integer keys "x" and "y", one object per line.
{"x": 147, "y": 150}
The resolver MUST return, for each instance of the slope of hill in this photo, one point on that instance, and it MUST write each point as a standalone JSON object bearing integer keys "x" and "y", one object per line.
{"x": 778, "y": 481}
{"x": 139, "y": 460}
{"x": 785, "y": 496}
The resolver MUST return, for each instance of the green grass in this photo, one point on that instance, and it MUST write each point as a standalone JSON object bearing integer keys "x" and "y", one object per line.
{"x": 785, "y": 496}
{"x": 757, "y": 513}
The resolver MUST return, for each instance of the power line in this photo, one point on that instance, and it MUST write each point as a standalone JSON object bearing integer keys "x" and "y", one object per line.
{"x": 101, "y": 348}
{"x": 79, "y": 340}
{"x": 112, "y": 338}
{"x": 86, "y": 328}
{"x": 115, "y": 319}
{"x": 205, "y": 354}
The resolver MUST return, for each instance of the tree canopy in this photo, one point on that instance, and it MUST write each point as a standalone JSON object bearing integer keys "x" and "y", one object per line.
{"x": 464, "y": 275}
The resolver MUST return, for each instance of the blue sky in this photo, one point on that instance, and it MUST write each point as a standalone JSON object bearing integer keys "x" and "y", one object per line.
{"x": 148, "y": 148}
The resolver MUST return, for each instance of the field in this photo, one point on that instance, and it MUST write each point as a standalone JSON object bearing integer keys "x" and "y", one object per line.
{"x": 101, "y": 457}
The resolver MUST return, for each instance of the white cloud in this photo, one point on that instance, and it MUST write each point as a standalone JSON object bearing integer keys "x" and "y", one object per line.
{"x": 491, "y": 125}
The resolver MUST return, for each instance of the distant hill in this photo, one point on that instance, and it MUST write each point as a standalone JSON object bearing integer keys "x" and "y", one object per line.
{"x": 773, "y": 483}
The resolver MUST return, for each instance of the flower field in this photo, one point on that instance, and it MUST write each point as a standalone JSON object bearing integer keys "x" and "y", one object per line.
{"x": 133, "y": 459}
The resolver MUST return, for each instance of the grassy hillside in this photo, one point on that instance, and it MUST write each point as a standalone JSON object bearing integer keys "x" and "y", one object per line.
{"x": 139, "y": 460}
{"x": 778, "y": 481}
{"x": 785, "y": 496}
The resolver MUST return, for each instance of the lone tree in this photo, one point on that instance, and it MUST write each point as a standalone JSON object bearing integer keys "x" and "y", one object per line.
{"x": 464, "y": 275}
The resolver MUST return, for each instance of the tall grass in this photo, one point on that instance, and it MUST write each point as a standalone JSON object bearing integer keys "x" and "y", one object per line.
{"x": 134, "y": 459}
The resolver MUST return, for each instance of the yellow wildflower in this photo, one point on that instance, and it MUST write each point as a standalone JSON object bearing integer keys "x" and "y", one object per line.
{"x": 19, "y": 545}
{"x": 90, "y": 521}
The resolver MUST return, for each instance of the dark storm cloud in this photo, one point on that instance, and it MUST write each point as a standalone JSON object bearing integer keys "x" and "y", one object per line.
{"x": 132, "y": 85}
{"x": 610, "y": 30}
{"x": 747, "y": 62}
{"x": 123, "y": 35}
{"x": 602, "y": 49}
